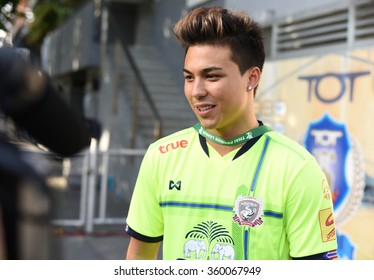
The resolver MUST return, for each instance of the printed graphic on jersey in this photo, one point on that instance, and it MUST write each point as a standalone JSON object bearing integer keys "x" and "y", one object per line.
{"x": 195, "y": 247}
{"x": 209, "y": 240}
{"x": 326, "y": 222}
{"x": 173, "y": 146}
{"x": 223, "y": 252}
{"x": 248, "y": 211}
{"x": 326, "y": 190}
{"x": 331, "y": 255}
{"x": 177, "y": 185}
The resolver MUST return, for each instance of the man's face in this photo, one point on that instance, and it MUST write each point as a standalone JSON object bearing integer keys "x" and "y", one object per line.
{"x": 216, "y": 90}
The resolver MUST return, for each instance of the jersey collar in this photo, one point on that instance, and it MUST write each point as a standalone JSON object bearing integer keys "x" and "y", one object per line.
{"x": 247, "y": 145}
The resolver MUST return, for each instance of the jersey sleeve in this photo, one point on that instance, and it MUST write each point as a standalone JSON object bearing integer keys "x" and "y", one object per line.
{"x": 309, "y": 218}
{"x": 145, "y": 217}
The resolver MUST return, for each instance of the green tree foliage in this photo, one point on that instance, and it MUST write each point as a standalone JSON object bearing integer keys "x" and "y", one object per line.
{"x": 49, "y": 14}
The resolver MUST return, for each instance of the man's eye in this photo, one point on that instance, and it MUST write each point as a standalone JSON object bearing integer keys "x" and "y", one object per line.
{"x": 212, "y": 76}
{"x": 188, "y": 77}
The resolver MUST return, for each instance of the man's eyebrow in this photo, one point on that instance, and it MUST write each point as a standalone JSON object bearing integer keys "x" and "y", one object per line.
{"x": 205, "y": 70}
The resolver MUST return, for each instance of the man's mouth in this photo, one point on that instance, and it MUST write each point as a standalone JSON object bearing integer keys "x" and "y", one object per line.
{"x": 205, "y": 108}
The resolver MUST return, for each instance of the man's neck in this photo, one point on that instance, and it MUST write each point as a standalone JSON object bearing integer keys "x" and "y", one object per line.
{"x": 225, "y": 149}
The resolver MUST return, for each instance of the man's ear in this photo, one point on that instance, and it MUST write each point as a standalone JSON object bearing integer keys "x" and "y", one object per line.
{"x": 254, "y": 76}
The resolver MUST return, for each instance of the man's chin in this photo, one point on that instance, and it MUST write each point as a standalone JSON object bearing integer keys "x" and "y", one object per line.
{"x": 207, "y": 125}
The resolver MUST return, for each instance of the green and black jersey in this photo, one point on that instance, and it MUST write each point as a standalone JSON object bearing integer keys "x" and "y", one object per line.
{"x": 268, "y": 199}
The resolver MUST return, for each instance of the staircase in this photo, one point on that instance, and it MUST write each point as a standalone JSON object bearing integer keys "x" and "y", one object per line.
{"x": 169, "y": 100}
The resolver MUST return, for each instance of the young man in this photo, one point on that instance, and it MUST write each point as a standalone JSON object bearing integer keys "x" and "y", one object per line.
{"x": 230, "y": 187}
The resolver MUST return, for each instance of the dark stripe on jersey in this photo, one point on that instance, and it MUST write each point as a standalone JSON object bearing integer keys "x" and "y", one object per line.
{"x": 213, "y": 206}
{"x": 254, "y": 182}
{"x": 142, "y": 237}
{"x": 204, "y": 144}
{"x": 196, "y": 205}
{"x": 246, "y": 241}
{"x": 249, "y": 144}
{"x": 273, "y": 214}
{"x": 322, "y": 256}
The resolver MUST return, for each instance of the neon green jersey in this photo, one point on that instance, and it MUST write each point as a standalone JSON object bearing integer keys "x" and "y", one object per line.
{"x": 267, "y": 200}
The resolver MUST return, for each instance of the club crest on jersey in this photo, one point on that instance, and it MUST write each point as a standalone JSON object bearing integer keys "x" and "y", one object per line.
{"x": 248, "y": 211}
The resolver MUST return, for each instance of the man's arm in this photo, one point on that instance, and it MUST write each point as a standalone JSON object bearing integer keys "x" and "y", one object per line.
{"x": 140, "y": 250}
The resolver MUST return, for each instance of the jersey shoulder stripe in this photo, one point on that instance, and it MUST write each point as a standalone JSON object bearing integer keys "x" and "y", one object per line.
{"x": 287, "y": 146}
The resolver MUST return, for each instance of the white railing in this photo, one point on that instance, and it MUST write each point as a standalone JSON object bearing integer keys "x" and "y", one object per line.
{"x": 94, "y": 163}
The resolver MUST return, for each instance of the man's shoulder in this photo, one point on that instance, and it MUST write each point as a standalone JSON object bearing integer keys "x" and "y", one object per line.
{"x": 180, "y": 138}
{"x": 285, "y": 144}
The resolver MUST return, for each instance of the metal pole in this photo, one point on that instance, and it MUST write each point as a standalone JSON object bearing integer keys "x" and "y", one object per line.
{"x": 92, "y": 170}
{"x": 84, "y": 181}
{"x": 103, "y": 187}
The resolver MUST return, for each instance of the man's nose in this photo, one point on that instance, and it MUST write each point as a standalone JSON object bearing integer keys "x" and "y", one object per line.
{"x": 198, "y": 89}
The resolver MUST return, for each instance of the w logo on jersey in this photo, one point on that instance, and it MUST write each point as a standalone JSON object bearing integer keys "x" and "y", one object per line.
{"x": 177, "y": 185}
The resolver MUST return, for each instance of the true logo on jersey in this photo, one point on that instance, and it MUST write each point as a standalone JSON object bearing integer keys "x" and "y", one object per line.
{"x": 248, "y": 211}
{"x": 173, "y": 146}
{"x": 327, "y": 225}
{"x": 177, "y": 185}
